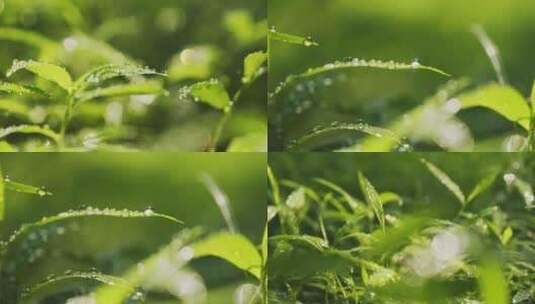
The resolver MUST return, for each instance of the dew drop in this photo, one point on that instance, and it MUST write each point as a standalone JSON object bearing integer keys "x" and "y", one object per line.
{"x": 415, "y": 64}
{"x": 148, "y": 211}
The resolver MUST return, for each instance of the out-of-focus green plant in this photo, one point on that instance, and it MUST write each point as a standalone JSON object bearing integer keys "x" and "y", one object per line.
{"x": 428, "y": 241}
{"x": 126, "y": 111}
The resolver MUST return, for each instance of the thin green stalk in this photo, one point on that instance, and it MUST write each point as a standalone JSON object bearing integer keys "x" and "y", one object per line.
{"x": 66, "y": 119}
{"x": 531, "y": 135}
{"x": 216, "y": 136}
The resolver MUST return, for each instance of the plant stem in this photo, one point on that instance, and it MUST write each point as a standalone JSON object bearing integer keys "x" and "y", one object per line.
{"x": 212, "y": 146}
{"x": 66, "y": 119}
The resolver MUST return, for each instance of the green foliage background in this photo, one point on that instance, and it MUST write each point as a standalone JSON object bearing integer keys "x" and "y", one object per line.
{"x": 167, "y": 182}
{"x": 435, "y": 32}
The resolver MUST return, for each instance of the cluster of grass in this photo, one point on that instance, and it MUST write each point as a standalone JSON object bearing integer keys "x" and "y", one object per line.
{"x": 415, "y": 231}
{"x": 174, "y": 272}
{"x": 78, "y": 80}
{"x": 365, "y": 104}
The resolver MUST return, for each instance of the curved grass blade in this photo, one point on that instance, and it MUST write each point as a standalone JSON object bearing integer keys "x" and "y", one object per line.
{"x": 48, "y": 71}
{"x": 252, "y": 142}
{"x": 23, "y": 188}
{"x": 30, "y": 129}
{"x": 445, "y": 180}
{"x": 83, "y": 213}
{"x": 252, "y": 66}
{"x": 492, "y": 52}
{"x": 503, "y": 100}
{"x": 355, "y": 63}
{"x": 291, "y": 39}
{"x": 121, "y": 90}
{"x": 373, "y": 199}
{"x": 335, "y": 127}
{"x": 221, "y": 200}
{"x": 233, "y": 248}
{"x": 27, "y": 37}
{"x": 110, "y": 71}
{"x": 483, "y": 185}
{"x": 77, "y": 275}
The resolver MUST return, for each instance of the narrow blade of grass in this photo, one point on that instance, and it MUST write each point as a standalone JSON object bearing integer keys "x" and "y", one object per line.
{"x": 83, "y": 213}
{"x": 491, "y": 50}
{"x": 77, "y": 275}
{"x": 354, "y": 63}
{"x": 372, "y": 198}
{"x": 233, "y": 248}
{"x": 483, "y": 185}
{"x": 445, "y": 180}
{"x": 290, "y": 38}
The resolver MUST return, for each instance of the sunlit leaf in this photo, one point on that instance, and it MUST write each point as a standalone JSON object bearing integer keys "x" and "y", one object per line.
{"x": 254, "y": 142}
{"x": 110, "y": 71}
{"x": 30, "y": 129}
{"x": 503, "y": 100}
{"x": 252, "y": 63}
{"x": 372, "y": 198}
{"x": 290, "y": 38}
{"x": 233, "y": 248}
{"x": 212, "y": 92}
{"x": 16, "y": 89}
{"x": 47, "y": 71}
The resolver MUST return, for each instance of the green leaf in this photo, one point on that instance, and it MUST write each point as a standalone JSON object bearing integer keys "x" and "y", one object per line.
{"x": 110, "y": 71}
{"x": 372, "y": 198}
{"x": 20, "y": 90}
{"x": 390, "y": 197}
{"x": 252, "y": 64}
{"x": 23, "y": 188}
{"x": 319, "y": 132}
{"x": 234, "y": 248}
{"x": 291, "y": 39}
{"x": 506, "y": 236}
{"x": 526, "y": 190}
{"x": 146, "y": 88}
{"x": 483, "y": 185}
{"x": 82, "y": 213}
{"x": 30, "y": 129}
{"x": 297, "y": 199}
{"x": 5, "y": 147}
{"x": 355, "y": 63}
{"x": 48, "y": 71}
{"x": 503, "y": 100}
{"x": 253, "y": 142}
{"x": 212, "y": 92}
{"x": 533, "y": 94}
{"x": 492, "y": 282}
{"x": 445, "y": 180}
